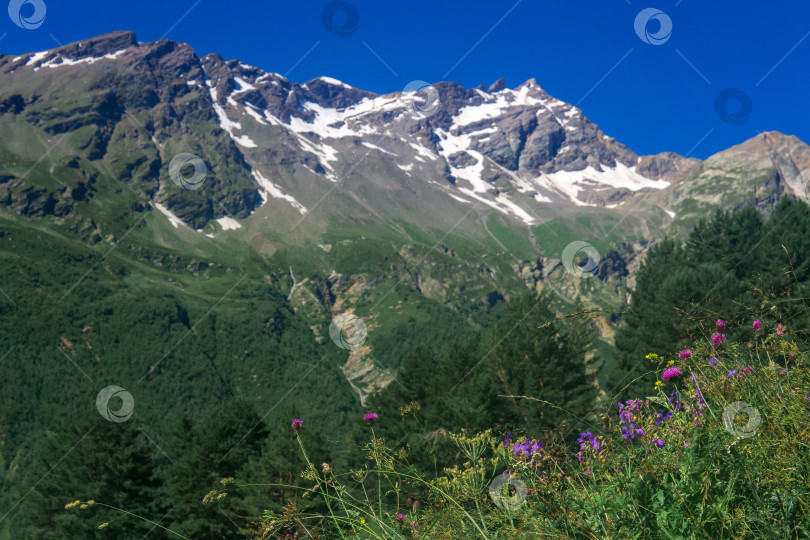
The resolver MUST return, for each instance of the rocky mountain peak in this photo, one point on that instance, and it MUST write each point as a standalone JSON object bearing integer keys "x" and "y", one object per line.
{"x": 99, "y": 45}
{"x": 497, "y": 86}
{"x": 132, "y": 107}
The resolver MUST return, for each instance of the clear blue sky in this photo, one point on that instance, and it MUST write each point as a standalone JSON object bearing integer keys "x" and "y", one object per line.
{"x": 652, "y": 100}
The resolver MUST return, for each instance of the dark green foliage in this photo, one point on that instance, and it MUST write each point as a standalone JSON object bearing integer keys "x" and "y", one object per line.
{"x": 203, "y": 455}
{"x": 728, "y": 263}
{"x": 92, "y": 459}
{"x": 272, "y": 472}
{"x": 466, "y": 387}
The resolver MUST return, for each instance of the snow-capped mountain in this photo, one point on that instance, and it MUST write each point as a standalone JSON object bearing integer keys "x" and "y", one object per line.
{"x": 111, "y": 107}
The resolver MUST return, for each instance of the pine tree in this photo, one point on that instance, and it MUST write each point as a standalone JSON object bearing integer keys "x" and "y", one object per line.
{"x": 217, "y": 448}
{"x": 93, "y": 459}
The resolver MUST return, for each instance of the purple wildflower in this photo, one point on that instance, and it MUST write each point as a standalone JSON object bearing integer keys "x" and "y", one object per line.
{"x": 686, "y": 353}
{"x": 732, "y": 373}
{"x": 671, "y": 373}
{"x": 757, "y": 325}
{"x": 296, "y": 424}
{"x": 370, "y": 417}
{"x": 400, "y": 517}
{"x": 662, "y": 417}
{"x": 658, "y": 442}
{"x": 780, "y": 329}
{"x": 508, "y": 440}
{"x": 585, "y": 439}
{"x": 630, "y": 433}
{"x": 720, "y": 324}
{"x": 718, "y": 339}
{"x": 713, "y": 361}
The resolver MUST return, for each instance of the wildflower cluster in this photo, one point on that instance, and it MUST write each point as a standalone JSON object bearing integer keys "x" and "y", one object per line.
{"x": 718, "y": 339}
{"x": 588, "y": 441}
{"x": 528, "y": 448}
{"x": 627, "y": 414}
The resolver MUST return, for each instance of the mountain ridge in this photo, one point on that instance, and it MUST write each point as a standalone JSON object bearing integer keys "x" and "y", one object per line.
{"x": 516, "y": 151}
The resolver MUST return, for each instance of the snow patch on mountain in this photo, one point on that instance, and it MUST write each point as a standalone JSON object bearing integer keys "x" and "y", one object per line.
{"x": 252, "y": 110}
{"x": 173, "y": 219}
{"x": 244, "y": 86}
{"x": 226, "y": 123}
{"x": 229, "y": 224}
{"x": 422, "y": 151}
{"x": 501, "y": 204}
{"x": 272, "y": 190}
{"x": 459, "y": 199}
{"x": 570, "y": 183}
{"x": 377, "y": 148}
{"x": 334, "y": 82}
{"x": 60, "y": 61}
{"x": 36, "y": 57}
{"x": 495, "y": 105}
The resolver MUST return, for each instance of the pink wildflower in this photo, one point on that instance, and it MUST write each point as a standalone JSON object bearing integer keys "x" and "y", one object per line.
{"x": 671, "y": 373}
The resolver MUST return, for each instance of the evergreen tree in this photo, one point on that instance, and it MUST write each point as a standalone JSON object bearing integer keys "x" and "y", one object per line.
{"x": 280, "y": 464}
{"x": 217, "y": 448}
{"x": 93, "y": 459}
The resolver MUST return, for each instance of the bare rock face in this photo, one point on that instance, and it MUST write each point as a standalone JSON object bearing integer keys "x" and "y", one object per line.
{"x": 669, "y": 166}
{"x": 758, "y": 172}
